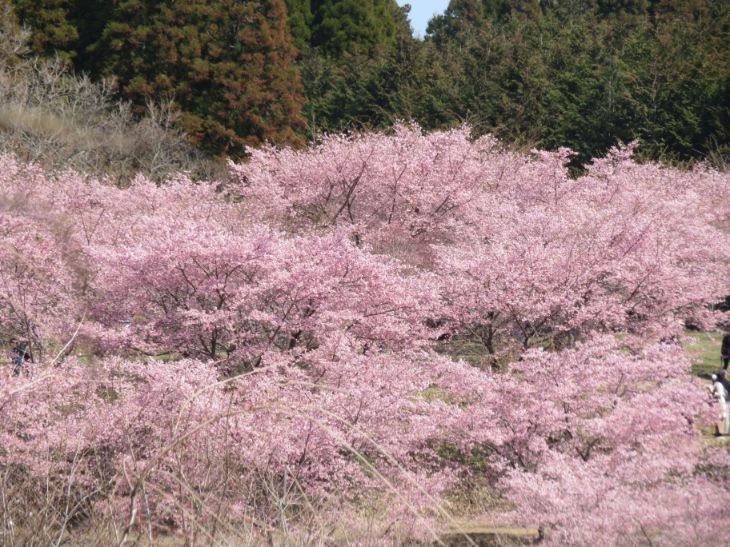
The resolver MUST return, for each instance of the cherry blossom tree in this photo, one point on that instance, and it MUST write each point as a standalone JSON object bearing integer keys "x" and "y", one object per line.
{"x": 523, "y": 251}
{"x": 43, "y": 275}
{"x": 304, "y": 327}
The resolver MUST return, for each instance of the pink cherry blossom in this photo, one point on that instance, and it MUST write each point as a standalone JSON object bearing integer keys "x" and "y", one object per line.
{"x": 206, "y": 348}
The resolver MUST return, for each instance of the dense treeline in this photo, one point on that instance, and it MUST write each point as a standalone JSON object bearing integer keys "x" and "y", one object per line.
{"x": 577, "y": 73}
{"x": 584, "y": 74}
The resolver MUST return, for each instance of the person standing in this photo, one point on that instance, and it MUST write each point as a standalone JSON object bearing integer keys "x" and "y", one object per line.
{"x": 721, "y": 389}
{"x": 21, "y": 353}
{"x": 725, "y": 349}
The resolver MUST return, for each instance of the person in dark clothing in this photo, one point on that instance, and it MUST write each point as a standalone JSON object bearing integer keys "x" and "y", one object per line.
{"x": 725, "y": 350}
{"x": 21, "y": 352}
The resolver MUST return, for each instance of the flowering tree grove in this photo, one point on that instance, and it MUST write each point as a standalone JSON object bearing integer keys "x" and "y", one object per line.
{"x": 298, "y": 336}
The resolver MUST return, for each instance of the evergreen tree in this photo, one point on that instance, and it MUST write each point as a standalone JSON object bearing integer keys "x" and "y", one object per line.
{"x": 587, "y": 74}
{"x": 227, "y": 64}
{"x": 300, "y": 17}
{"x": 353, "y": 26}
{"x": 607, "y": 7}
{"x": 53, "y": 31}
{"x": 459, "y": 18}
{"x": 360, "y": 91}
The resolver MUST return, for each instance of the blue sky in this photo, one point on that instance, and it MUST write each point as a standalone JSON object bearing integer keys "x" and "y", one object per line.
{"x": 422, "y": 11}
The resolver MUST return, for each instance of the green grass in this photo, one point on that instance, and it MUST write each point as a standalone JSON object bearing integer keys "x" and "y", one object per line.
{"x": 466, "y": 350}
{"x": 436, "y": 393}
{"x": 704, "y": 348}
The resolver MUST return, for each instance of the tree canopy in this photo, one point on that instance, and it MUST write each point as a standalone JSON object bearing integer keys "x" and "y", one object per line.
{"x": 353, "y": 26}
{"x": 582, "y": 73}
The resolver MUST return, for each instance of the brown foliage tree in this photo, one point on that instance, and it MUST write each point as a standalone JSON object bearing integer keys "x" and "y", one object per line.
{"x": 227, "y": 65}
